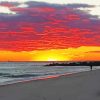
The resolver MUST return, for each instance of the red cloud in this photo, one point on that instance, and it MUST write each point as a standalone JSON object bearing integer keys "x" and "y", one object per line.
{"x": 6, "y": 4}
{"x": 48, "y": 28}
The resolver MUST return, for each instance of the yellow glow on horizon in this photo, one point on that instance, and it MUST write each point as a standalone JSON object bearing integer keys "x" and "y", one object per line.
{"x": 50, "y": 55}
{"x": 53, "y": 59}
{"x": 82, "y": 53}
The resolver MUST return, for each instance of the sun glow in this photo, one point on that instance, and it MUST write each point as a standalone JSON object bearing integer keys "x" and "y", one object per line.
{"x": 50, "y": 55}
{"x": 52, "y": 59}
{"x": 83, "y": 53}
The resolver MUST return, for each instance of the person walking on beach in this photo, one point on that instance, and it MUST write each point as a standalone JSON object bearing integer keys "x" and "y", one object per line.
{"x": 91, "y": 67}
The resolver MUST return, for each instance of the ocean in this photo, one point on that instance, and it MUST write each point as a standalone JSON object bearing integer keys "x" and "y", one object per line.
{"x": 12, "y": 72}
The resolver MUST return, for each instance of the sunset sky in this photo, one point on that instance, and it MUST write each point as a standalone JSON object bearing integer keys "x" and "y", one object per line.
{"x": 49, "y": 30}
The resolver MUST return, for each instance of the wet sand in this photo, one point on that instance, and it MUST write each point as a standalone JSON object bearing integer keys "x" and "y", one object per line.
{"x": 80, "y": 86}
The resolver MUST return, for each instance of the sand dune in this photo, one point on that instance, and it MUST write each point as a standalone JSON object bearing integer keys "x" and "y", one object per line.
{"x": 80, "y": 86}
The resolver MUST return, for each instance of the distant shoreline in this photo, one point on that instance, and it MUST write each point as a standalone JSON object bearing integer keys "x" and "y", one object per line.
{"x": 82, "y": 63}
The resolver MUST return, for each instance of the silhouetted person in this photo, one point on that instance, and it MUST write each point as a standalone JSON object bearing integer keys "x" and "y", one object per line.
{"x": 91, "y": 67}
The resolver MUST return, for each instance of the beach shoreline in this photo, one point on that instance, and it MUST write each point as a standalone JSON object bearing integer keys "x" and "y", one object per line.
{"x": 37, "y": 79}
{"x": 79, "y": 86}
{"x": 40, "y": 78}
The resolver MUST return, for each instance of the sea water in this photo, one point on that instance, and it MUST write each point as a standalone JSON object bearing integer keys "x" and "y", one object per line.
{"x": 12, "y": 72}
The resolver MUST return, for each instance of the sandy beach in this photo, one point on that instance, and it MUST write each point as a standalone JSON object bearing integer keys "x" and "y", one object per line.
{"x": 80, "y": 86}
